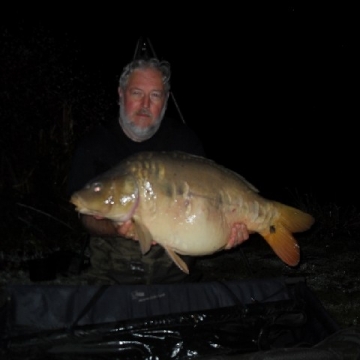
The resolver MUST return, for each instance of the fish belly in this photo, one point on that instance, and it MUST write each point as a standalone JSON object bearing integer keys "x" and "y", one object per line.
{"x": 189, "y": 226}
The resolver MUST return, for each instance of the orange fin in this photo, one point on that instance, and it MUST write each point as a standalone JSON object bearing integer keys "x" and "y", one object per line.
{"x": 279, "y": 235}
{"x": 284, "y": 245}
{"x": 294, "y": 219}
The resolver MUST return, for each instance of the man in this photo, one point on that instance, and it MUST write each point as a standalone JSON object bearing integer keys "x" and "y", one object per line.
{"x": 144, "y": 89}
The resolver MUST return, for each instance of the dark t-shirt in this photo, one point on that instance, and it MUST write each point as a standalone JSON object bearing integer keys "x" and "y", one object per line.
{"x": 120, "y": 258}
{"x": 105, "y": 146}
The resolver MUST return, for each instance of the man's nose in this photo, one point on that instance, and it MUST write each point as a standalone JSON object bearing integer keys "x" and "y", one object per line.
{"x": 146, "y": 101}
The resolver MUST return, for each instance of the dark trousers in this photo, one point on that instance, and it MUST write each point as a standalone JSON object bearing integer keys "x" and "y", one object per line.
{"x": 119, "y": 260}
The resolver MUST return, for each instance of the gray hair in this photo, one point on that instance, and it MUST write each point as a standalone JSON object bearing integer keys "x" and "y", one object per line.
{"x": 163, "y": 66}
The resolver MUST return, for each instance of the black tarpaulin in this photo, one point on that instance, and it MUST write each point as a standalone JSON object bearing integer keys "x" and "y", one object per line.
{"x": 172, "y": 321}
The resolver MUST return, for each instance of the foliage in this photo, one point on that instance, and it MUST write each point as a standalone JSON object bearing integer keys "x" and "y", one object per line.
{"x": 46, "y": 104}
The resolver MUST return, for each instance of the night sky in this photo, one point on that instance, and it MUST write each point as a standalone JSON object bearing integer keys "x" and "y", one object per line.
{"x": 268, "y": 90}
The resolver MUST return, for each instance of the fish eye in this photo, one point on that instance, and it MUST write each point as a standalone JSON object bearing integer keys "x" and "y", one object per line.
{"x": 97, "y": 187}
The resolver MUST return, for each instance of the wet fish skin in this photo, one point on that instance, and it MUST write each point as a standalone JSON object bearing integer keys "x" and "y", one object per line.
{"x": 188, "y": 204}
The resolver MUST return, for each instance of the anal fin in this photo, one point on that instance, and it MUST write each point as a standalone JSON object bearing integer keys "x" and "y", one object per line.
{"x": 177, "y": 260}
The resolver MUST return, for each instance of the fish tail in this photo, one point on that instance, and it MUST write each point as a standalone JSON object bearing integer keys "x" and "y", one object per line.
{"x": 293, "y": 219}
{"x": 279, "y": 235}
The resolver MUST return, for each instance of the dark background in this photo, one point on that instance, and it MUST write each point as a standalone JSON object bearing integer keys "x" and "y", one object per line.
{"x": 269, "y": 90}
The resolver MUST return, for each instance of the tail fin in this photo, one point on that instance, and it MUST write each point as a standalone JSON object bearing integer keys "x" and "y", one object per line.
{"x": 279, "y": 235}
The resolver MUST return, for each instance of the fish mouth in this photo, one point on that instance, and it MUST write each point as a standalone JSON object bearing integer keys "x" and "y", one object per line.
{"x": 81, "y": 207}
{"x": 76, "y": 200}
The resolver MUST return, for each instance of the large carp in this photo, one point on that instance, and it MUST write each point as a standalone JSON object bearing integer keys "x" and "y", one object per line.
{"x": 189, "y": 204}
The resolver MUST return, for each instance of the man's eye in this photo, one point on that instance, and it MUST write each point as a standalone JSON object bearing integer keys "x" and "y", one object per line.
{"x": 136, "y": 93}
{"x": 156, "y": 95}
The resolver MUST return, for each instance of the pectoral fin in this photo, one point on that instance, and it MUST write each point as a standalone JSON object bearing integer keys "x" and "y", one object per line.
{"x": 177, "y": 260}
{"x": 143, "y": 235}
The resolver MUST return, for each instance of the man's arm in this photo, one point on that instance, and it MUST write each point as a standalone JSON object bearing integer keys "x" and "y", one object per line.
{"x": 106, "y": 227}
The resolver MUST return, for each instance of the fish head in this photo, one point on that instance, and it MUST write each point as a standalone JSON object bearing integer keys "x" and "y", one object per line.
{"x": 114, "y": 198}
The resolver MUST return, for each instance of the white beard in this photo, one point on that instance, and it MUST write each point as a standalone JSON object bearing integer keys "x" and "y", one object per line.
{"x": 137, "y": 133}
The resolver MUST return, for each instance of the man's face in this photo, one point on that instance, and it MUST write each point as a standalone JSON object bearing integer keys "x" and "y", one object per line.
{"x": 142, "y": 104}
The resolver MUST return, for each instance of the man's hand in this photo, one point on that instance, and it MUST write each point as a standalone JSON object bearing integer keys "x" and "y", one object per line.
{"x": 126, "y": 229}
{"x": 100, "y": 226}
{"x": 239, "y": 234}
